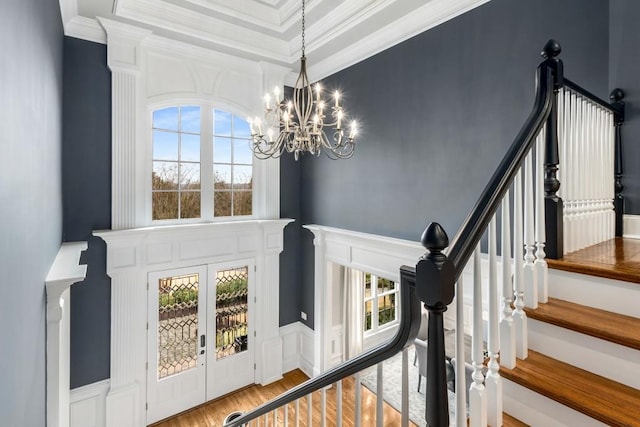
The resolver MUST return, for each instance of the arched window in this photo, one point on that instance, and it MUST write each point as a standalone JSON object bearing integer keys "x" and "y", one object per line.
{"x": 202, "y": 164}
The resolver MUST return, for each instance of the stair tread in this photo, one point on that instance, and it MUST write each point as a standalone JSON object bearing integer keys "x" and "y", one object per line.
{"x": 617, "y": 259}
{"x": 603, "y": 399}
{"x": 613, "y": 327}
{"x": 510, "y": 421}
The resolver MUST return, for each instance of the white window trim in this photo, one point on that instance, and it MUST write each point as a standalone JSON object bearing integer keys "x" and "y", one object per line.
{"x": 375, "y": 310}
{"x": 261, "y": 168}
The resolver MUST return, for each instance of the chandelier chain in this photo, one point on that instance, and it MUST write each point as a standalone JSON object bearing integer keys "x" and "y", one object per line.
{"x": 303, "y": 27}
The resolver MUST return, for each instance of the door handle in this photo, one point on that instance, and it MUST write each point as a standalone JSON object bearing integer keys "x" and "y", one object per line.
{"x": 202, "y": 341}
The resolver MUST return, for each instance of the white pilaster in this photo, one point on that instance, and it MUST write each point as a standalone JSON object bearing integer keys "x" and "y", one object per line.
{"x": 64, "y": 272}
{"x": 124, "y": 57}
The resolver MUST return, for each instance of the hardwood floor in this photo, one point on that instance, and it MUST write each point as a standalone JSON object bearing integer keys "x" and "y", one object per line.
{"x": 213, "y": 413}
{"x": 617, "y": 258}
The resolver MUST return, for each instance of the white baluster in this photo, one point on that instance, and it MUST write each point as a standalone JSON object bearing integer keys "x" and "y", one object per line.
{"x": 540, "y": 263}
{"x": 309, "y": 410}
{"x": 379, "y": 397}
{"x": 323, "y": 407}
{"x": 339, "y": 404}
{"x": 405, "y": 388}
{"x": 461, "y": 382}
{"x": 286, "y": 415}
{"x": 358, "y": 406}
{"x": 530, "y": 284}
{"x": 507, "y": 339}
{"x": 519, "y": 316}
{"x": 493, "y": 381}
{"x": 570, "y": 166}
{"x": 477, "y": 391}
{"x": 275, "y": 417}
{"x": 265, "y": 420}
{"x": 298, "y": 414}
{"x": 562, "y": 142}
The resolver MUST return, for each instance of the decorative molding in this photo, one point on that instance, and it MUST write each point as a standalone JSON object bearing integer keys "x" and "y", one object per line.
{"x": 631, "y": 226}
{"x": 430, "y": 15}
{"x": 297, "y": 346}
{"x": 64, "y": 272}
{"x": 85, "y": 29}
{"x": 133, "y": 253}
{"x": 87, "y": 405}
{"x": 375, "y": 254}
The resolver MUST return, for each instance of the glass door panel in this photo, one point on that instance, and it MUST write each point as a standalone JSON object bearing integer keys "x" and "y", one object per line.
{"x": 176, "y": 372}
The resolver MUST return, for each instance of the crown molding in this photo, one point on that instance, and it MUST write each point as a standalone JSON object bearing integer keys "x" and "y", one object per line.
{"x": 420, "y": 20}
{"x": 212, "y": 30}
{"x": 85, "y": 29}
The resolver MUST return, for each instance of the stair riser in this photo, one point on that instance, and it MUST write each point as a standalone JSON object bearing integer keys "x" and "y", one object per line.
{"x": 605, "y": 294}
{"x": 540, "y": 411}
{"x": 614, "y": 361}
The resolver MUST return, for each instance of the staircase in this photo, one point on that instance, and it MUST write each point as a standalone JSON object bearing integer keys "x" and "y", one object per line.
{"x": 583, "y": 366}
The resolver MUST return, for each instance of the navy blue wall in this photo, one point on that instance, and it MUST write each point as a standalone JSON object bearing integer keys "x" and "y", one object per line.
{"x": 30, "y": 198}
{"x": 438, "y": 111}
{"x": 624, "y": 72}
{"x": 87, "y": 201}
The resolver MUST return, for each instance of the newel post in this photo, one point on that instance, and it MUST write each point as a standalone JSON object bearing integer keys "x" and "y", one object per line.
{"x": 553, "y": 208}
{"x": 618, "y": 202}
{"x": 435, "y": 280}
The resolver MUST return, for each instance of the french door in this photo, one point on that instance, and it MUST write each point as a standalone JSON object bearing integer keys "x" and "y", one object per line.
{"x": 200, "y": 335}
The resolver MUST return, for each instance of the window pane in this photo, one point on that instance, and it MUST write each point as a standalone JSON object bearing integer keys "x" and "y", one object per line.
{"x": 367, "y": 316}
{"x": 386, "y": 309}
{"x": 242, "y": 177}
{"x": 222, "y": 203}
{"x": 165, "y": 176}
{"x": 166, "y": 118}
{"x": 190, "y": 119}
{"x": 189, "y": 176}
{"x": 189, "y": 148}
{"x": 384, "y": 285}
{"x": 222, "y": 150}
{"x": 241, "y": 128}
{"x": 242, "y": 151}
{"x": 165, "y": 205}
{"x": 221, "y": 123}
{"x": 190, "y": 204}
{"x": 242, "y": 201}
{"x": 367, "y": 285}
{"x": 222, "y": 177}
{"x": 165, "y": 145}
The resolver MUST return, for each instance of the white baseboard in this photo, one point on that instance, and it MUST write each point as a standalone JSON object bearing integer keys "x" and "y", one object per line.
{"x": 87, "y": 405}
{"x": 297, "y": 348}
{"x": 631, "y": 226}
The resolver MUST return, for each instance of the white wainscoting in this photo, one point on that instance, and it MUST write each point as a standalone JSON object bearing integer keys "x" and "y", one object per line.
{"x": 297, "y": 348}
{"x": 88, "y": 405}
{"x": 631, "y": 226}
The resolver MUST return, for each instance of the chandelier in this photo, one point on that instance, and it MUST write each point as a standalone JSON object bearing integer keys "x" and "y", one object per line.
{"x": 301, "y": 124}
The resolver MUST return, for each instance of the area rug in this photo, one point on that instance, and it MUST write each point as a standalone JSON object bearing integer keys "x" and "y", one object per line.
{"x": 392, "y": 383}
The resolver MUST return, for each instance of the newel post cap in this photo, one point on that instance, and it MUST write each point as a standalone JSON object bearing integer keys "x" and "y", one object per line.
{"x": 435, "y": 273}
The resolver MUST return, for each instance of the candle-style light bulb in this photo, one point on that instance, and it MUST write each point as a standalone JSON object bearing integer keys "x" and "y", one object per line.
{"x": 353, "y": 130}
{"x": 336, "y": 95}
{"x": 338, "y": 125}
{"x": 315, "y": 123}
{"x": 259, "y": 124}
{"x": 270, "y": 133}
{"x": 276, "y": 93}
{"x": 250, "y": 120}
{"x": 267, "y": 99}
{"x": 318, "y": 89}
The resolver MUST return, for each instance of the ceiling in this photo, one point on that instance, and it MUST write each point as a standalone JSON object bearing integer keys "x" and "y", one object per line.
{"x": 339, "y": 33}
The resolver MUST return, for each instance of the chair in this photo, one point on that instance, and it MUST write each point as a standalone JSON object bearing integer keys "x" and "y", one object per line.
{"x": 468, "y": 371}
{"x": 421, "y": 355}
{"x": 422, "y": 332}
